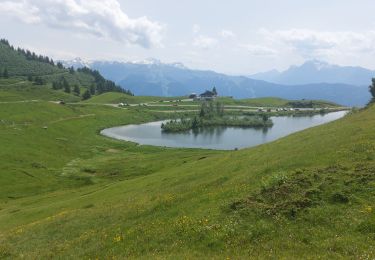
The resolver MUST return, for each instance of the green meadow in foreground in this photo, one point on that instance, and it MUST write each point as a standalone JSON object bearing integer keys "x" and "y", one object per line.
{"x": 67, "y": 192}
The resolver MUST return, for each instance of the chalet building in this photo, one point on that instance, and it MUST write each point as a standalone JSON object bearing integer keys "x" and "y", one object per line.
{"x": 208, "y": 95}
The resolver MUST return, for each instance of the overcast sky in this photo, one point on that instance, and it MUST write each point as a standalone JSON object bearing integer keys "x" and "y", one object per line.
{"x": 236, "y": 37}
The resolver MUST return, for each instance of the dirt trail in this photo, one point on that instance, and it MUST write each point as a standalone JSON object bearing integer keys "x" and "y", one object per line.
{"x": 71, "y": 118}
{"x": 21, "y": 101}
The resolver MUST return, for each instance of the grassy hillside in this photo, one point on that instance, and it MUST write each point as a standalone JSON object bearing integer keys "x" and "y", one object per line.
{"x": 12, "y": 90}
{"x": 116, "y": 98}
{"x": 18, "y": 65}
{"x": 22, "y": 65}
{"x": 67, "y": 192}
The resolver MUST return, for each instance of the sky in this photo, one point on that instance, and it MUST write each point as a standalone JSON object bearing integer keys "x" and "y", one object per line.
{"x": 233, "y": 37}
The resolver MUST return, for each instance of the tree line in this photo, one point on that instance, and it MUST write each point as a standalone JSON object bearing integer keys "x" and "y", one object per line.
{"x": 28, "y": 54}
{"x": 4, "y": 73}
{"x": 62, "y": 83}
{"x": 372, "y": 90}
{"x": 100, "y": 85}
{"x": 103, "y": 85}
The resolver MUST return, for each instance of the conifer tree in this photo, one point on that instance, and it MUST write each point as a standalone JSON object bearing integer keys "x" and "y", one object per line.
{"x": 5, "y": 73}
{"x": 55, "y": 85}
{"x": 214, "y": 91}
{"x": 372, "y": 89}
{"x": 67, "y": 88}
{"x": 76, "y": 90}
{"x": 60, "y": 65}
{"x": 39, "y": 81}
{"x": 86, "y": 95}
{"x": 92, "y": 89}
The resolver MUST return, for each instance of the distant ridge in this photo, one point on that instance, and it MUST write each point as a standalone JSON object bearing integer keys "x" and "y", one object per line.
{"x": 315, "y": 71}
{"x": 76, "y": 63}
{"x": 154, "y": 78}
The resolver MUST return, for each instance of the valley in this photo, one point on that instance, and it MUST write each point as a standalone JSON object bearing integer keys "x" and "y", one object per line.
{"x": 108, "y": 198}
{"x": 302, "y": 189}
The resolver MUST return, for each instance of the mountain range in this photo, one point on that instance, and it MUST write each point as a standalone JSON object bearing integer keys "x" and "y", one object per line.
{"x": 312, "y": 80}
{"x": 315, "y": 71}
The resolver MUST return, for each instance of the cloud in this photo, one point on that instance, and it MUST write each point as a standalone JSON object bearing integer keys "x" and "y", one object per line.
{"x": 258, "y": 50}
{"x": 205, "y": 42}
{"x": 22, "y": 10}
{"x": 310, "y": 43}
{"x": 227, "y": 34}
{"x": 101, "y": 18}
{"x": 196, "y": 28}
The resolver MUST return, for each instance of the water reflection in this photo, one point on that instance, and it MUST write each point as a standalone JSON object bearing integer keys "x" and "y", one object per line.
{"x": 222, "y": 138}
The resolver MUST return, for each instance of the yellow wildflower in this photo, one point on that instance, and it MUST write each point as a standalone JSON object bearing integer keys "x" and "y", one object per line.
{"x": 117, "y": 238}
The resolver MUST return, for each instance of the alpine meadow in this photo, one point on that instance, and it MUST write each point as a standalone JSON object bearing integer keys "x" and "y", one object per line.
{"x": 118, "y": 156}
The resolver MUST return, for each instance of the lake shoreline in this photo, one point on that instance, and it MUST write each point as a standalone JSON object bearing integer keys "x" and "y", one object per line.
{"x": 217, "y": 138}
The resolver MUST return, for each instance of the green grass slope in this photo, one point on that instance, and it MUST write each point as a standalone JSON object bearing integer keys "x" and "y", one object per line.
{"x": 67, "y": 192}
{"x": 116, "y": 98}
{"x": 18, "y": 65}
{"x": 33, "y": 70}
{"x": 13, "y": 90}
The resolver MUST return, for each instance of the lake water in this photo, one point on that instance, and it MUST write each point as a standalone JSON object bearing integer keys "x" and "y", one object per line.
{"x": 219, "y": 138}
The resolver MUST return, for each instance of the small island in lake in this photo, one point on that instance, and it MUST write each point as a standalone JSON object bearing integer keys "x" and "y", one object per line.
{"x": 212, "y": 114}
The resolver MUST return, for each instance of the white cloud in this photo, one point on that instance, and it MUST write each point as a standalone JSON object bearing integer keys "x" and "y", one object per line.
{"x": 196, "y": 28}
{"x": 310, "y": 43}
{"x": 22, "y": 10}
{"x": 102, "y": 18}
{"x": 258, "y": 50}
{"x": 227, "y": 34}
{"x": 205, "y": 42}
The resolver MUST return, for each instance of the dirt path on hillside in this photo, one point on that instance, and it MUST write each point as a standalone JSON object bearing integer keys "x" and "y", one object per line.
{"x": 21, "y": 101}
{"x": 71, "y": 118}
